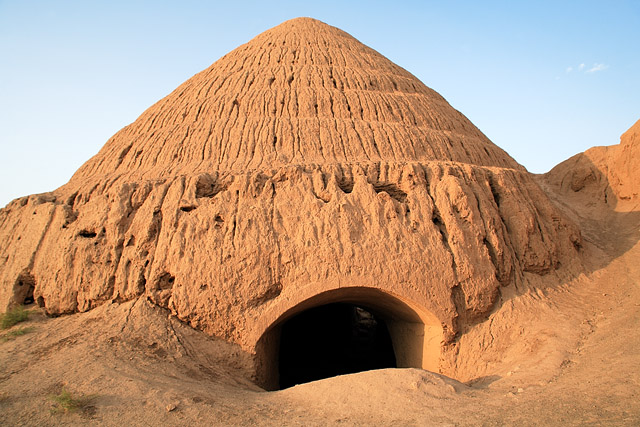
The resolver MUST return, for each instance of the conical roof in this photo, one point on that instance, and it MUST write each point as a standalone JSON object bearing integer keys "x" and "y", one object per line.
{"x": 303, "y": 92}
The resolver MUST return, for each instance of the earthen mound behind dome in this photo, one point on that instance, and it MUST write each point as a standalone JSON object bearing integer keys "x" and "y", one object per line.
{"x": 301, "y": 169}
{"x": 607, "y": 174}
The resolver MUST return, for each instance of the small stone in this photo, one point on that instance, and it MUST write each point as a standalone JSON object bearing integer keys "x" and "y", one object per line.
{"x": 171, "y": 407}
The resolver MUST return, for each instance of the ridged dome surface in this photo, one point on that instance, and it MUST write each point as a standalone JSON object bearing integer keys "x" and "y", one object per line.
{"x": 301, "y": 93}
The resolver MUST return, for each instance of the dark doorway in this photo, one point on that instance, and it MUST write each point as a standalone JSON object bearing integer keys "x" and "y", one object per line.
{"x": 333, "y": 339}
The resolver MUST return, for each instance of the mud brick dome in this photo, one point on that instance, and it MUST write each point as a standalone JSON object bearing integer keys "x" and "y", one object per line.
{"x": 301, "y": 170}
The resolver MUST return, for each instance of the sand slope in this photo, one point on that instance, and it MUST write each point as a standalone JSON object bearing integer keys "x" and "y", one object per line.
{"x": 574, "y": 362}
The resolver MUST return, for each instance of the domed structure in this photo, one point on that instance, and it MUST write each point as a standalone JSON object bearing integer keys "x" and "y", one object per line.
{"x": 300, "y": 174}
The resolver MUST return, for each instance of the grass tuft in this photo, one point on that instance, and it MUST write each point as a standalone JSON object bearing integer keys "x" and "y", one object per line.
{"x": 17, "y": 332}
{"x": 11, "y": 317}
{"x": 65, "y": 403}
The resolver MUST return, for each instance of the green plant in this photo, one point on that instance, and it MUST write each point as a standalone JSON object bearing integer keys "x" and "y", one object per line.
{"x": 64, "y": 402}
{"x": 11, "y": 317}
{"x": 17, "y": 332}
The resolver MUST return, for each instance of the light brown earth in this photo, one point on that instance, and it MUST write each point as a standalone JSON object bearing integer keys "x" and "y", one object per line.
{"x": 244, "y": 196}
{"x": 572, "y": 359}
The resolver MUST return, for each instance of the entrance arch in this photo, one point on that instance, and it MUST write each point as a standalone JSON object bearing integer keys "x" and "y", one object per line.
{"x": 415, "y": 333}
{"x": 331, "y": 340}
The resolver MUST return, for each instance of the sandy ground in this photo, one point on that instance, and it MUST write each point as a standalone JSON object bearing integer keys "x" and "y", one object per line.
{"x": 572, "y": 360}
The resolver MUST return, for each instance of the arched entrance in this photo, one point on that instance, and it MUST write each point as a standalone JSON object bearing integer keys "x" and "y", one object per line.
{"x": 330, "y": 340}
{"x": 345, "y": 330}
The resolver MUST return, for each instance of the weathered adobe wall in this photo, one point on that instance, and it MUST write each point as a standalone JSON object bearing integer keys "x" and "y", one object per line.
{"x": 220, "y": 250}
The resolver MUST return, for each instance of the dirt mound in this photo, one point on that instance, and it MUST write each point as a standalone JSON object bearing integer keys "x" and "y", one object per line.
{"x": 605, "y": 175}
{"x": 301, "y": 169}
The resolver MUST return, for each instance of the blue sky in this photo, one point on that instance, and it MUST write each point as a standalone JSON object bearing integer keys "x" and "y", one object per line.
{"x": 544, "y": 80}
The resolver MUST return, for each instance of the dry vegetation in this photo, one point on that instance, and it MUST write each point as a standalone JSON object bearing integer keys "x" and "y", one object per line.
{"x": 13, "y": 316}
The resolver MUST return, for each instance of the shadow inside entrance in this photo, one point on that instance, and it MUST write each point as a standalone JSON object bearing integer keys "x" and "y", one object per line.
{"x": 330, "y": 340}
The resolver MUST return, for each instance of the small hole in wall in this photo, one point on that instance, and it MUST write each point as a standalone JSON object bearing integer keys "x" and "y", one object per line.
{"x": 346, "y": 185}
{"x": 88, "y": 234}
{"x": 165, "y": 281}
{"x": 28, "y": 299}
{"x": 24, "y": 287}
{"x": 392, "y": 190}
